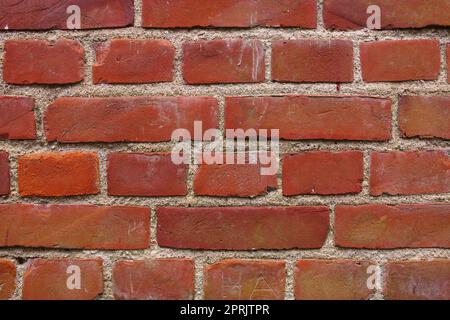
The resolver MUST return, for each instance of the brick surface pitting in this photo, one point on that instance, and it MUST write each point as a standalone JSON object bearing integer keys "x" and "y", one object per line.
{"x": 107, "y": 105}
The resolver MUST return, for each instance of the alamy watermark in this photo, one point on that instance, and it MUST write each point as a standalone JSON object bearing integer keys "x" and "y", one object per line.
{"x": 238, "y": 146}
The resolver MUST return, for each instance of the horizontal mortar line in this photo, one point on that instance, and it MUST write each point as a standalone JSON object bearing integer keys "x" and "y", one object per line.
{"x": 210, "y": 33}
{"x": 383, "y": 90}
{"x": 202, "y": 201}
{"x": 328, "y": 253}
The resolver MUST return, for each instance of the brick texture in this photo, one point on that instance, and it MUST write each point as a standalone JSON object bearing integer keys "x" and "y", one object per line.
{"x": 312, "y": 61}
{"x": 56, "y": 279}
{"x": 323, "y": 173}
{"x": 130, "y": 119}
{"x": 332, "y": 280}
{"x": 234, "y": 228}
{"x": 305, "y": 117}
{"x": 424, "y": 116}
{"x": 7, "y": 279}
{"x": 134, "y": 61}
{"x": 352, "y": 14}
{"x": 229, "y": 13}
{"x": 52, "y": 14}
{"x": 74, "y": 226}
{"x": 245, "y": 280}
{"x": 159, "y": 279}
{"x": 377, "y": 226}
{"x": 41, "y": 62}
{"x": 58, "y": 174}
{"x": 400, "y": 60}
{"x": 4, "y": 173}
{"x": 223, "y": 61}
{"x": 17, "y": 119}
{"x": 128, "y": 133}
{"x": 145, "y": 174}
{"x": 410, "y": 172}
{"x": 418, "y": 280}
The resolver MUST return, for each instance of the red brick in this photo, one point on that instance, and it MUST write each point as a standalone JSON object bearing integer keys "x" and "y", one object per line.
{"x": 409, "y": 172}
{"x": 398, "y": 14}
{"x": 158, "y": 279}
{"x": 229, "y": 13}
{"x": 223, "y": 61}
{"x": 332, "y": 280}
{"x": 417, "y": 280}
{"x": 377, "y": 226}
{"x": 242, "y": 228}
{"x": 74, "y": 226}
{"x": 312, "y": 61}
{"x": 7, "y": 279}
{"x": 233, "y": 180}
{"x": 245, "y": 280}
{"x": 312, "y": 117}
{"x": 17, "y": 120}
{"x": 42, "y": 62}
{"x": 58, "y": 174}
{"x": 52, "y": 14}
{"x": 400, "y": 60}
{"x": 323, "y": 173}
{"x": 4, "y": 173}
{"x": 134, "y": 61}
{"x": 448, "y": 63}
{"x": 127, "y": 119}
{"x": 146, "y": 174}
{"x": 56, "y": 279}
{"x": 424, "y": 116}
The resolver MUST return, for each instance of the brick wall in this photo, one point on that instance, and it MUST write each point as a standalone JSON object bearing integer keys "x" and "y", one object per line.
{"x": 359, "y": 208}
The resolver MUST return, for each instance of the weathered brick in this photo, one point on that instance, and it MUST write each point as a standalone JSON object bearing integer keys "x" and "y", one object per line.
{"x": 332, "y": 280}
{"x": 223, "y": 61}
{"x": 7, "y": 279}
{"x": 417, "y": 280}
{"x": 17, "y": 120}
{"x": 424, "y": 116}
{"x": 58, "y": 174}
{"x": 134, "y": 61}
{"x": 233, "y": 180}
{"x": 146, "y": 174}
{"x": 400, "y": 60}
{"x": 398, "y": 14}
{"x": 323, "y": 173}
{"x": 74, "y": 226}
{"x": 4, "y": 173}
{"x": 41, "y": 62}
{"x": 229, "y": 13}
{"x": 377, "y": 226}
{"x": 58, "y": 279}
{"x": 245, "y": 280}
{"x": 448, "y": 62}
{"x": 157, "y": 279}
{"x": 242, "y": 228}
{"x": 127, "y": 119}
{"x": 312, "y": 61}
{"x": 312, "y": 117}
{"x": 53, "y": 14}
{"x": 409, "y": 172}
